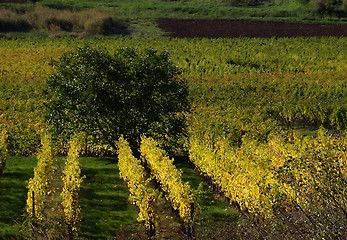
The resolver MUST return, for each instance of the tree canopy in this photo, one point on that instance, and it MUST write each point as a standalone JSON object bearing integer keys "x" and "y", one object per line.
{"x": 126, "y": 93}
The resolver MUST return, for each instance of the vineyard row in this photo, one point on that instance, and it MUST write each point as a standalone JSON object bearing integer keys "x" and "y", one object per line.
{"x": 289, "y": 180}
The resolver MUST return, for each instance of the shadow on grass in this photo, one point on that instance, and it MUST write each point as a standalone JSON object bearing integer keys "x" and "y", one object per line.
{"x": 217, "y": 218}
{"x": 104, "y": 198}
{"x": 13, "y": 193}
{"x": 188, "y": 174}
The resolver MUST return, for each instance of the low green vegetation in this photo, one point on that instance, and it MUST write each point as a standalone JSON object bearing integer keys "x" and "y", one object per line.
{"x": 13, "y": 193}
{"x": 215, "y": 218}
{"x": 137, "y": 18}
{"x": 106, "y": 208}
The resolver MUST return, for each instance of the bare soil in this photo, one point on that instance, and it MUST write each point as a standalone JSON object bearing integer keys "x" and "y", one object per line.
{"x": 13, "y": 1}
{"x": 189, "y": 28}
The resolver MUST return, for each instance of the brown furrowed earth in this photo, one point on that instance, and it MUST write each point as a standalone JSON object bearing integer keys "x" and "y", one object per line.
{"x": 241, "y": 28}
{"x": 13, "y": 1}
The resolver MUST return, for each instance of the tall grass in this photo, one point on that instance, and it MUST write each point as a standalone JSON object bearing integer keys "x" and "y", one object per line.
{"x": 53, "y": 21}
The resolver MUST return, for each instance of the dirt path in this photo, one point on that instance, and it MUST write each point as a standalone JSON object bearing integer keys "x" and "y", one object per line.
{"x": 241, "y": 28}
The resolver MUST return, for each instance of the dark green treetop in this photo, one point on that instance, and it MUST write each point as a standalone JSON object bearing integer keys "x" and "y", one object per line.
{"x": 127, "y": 93}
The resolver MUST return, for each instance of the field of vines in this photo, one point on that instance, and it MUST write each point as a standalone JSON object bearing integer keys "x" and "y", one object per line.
{"x": 267, "y": 127}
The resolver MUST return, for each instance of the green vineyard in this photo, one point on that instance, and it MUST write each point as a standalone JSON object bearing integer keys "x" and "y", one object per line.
{"x": 265, "y": 130}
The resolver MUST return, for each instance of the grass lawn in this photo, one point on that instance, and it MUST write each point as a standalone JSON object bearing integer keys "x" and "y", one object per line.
{"x": 217, "y": 219}
{"x": 207, "y": 9}
{"x": 105, "y": 204}
{"x": 137, "y": 17}
{"x": 13, "y": 192}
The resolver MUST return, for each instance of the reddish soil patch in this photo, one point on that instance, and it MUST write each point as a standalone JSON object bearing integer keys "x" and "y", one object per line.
{"x": 13, "y": 1}
{"x": 241, "y": 28}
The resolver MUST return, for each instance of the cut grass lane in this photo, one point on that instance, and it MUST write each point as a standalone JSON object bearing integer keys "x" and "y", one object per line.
{"x": 13, "y": 193}
{"x": 106, "y": 209}
{"x": 217, "y": 219}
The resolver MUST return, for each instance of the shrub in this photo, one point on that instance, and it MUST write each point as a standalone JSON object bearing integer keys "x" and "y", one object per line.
{"x": 12, "y": 21}
{"x": 60, "y": 24}
{"x": 96, "y": 22}
{"x": 326, "y": 6}
{"x": 129, "y": 93}
{"x": 18, "y": 25}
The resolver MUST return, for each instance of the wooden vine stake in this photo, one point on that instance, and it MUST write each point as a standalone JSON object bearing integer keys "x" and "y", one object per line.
{"x": 70, "y": 231}
{"x": 190, "y": 226}
{"x": 151, "y": 231}
{"x": 33, "y": 198}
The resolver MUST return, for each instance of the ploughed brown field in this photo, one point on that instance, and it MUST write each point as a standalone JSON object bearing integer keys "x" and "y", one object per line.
{"x": 13, "y": 1}
{"x": 241, "y": 28}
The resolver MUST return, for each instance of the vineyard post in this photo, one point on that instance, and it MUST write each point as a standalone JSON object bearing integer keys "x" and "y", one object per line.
{"x": 151, "y": 233}
{"x": 33, "y": 197}
{"x": 70, "y": 232}
{"x": 2, "y": 167}
{"x": 190, "y": 229}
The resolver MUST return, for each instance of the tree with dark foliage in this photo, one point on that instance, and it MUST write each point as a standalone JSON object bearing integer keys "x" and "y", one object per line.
{"x": 126, "y": 93}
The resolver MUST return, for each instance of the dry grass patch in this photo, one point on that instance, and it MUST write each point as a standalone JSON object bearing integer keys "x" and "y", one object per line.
{"x": 55, "y": 21}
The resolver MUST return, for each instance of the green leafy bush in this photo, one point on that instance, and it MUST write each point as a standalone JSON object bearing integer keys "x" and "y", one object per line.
{"x": 326, "y": 6}
{"x": 106, "y": 95}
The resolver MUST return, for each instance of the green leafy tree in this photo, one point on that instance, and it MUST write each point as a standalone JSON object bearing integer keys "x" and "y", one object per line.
{"x": 126, "y": 93}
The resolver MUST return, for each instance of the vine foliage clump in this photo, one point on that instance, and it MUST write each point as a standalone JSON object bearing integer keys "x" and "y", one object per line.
{"x": 3, "y": 150}
{"x": 72, "y": 180}
{"x": 39, "y": 185}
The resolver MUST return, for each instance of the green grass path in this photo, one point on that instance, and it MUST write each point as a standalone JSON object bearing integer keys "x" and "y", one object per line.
{"x": 217, "y": 219}
{"x": 13, "y": 192}
{"x": 105, "y": 204}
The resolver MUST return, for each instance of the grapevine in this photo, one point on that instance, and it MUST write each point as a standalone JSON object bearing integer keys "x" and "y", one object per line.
{"x": 178, "y": 193}
{"x": 3, "y": 150}
{"x": 72, "y": 182}
{"x": 38, "y": 186}
{"x": 281, "y": 176}
{"x": 133, "y": 173}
